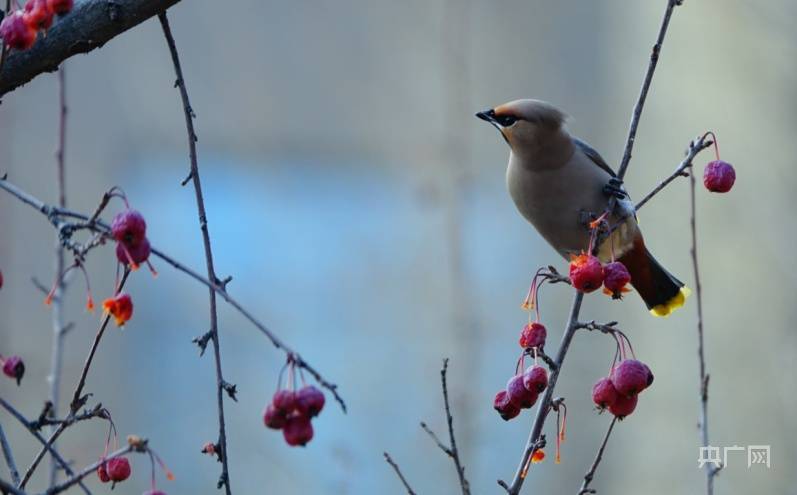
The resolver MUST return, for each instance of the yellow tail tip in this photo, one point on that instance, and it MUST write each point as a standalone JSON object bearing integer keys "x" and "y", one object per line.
{"x": 676, "y": 302}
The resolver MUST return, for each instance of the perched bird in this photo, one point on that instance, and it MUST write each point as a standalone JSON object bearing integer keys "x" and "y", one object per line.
{"x": 559, "y": 183}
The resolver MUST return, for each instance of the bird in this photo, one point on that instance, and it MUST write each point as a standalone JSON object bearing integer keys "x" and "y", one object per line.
{"x": 560, "y": 184}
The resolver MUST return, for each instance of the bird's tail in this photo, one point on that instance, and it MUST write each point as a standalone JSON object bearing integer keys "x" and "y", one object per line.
{"x": 661, "y": 292}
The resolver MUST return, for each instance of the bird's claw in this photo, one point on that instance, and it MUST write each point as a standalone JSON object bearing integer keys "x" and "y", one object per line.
{"x": 614, "y": 188}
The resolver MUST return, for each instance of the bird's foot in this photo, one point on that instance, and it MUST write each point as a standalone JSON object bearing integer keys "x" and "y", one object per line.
{"x": 614, "y": 188}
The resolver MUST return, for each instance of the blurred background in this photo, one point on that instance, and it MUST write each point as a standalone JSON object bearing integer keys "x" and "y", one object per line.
{"x": 361, "y": 209}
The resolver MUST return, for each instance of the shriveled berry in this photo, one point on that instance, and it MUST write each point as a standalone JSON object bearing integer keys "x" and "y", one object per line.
{"x": 129, "y": 226}
{"x": 120, "y": 307}
{"x": 118, "y": 469}
{"x": 274, "y": 418}
{"x": 615, "y": 279}
{"x": 533, "y": 335}
{"x": 15, "y": 31}
{"x": 14, "y": 368}
{"x": 102, "y": 473}
{"x": 310, "y": 400}
{"x": 506, "y": 409}
{"x": 60, "y": 7}
{"x": 519, "y": 395}
{"x": 630, "y": 377}
{"x": 650, "y": 376}
{"x": 138, "y": 253}
{"x": 38, "y": 15}
{"x": 535, "y": 378}
{"x": 624, "y": 405}
{"x": 604, "y": 394}
{"x": 719, "y": 176}
{"x": 298, "y": 430}
{"x": 586, "y": 272}
{"x": 284, "y": 400}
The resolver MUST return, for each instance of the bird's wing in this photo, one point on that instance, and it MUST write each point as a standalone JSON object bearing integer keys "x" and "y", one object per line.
{"x": 594, "y": 156}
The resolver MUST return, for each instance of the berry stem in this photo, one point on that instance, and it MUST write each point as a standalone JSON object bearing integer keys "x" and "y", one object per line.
{"x": 716, "y": 143}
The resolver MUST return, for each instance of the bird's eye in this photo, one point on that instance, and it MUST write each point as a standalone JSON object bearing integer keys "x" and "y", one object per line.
{"x": 506, "y": 120}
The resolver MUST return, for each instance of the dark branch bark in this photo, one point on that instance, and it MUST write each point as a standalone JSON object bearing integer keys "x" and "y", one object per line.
{"x": 91, "y": 24}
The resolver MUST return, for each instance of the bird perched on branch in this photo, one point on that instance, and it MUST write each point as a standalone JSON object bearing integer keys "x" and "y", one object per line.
{"x": 560, "y": 183}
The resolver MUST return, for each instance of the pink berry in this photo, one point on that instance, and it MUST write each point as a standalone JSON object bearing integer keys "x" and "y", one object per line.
{"x": 719, "y": 176}
{"x": 1, "y": 279}
{"x": 615, "y": 279}
{"x": 14, "y": 368}
{"x": 310, "y": 400}
{"x": 623, "y": 406}
{"x": 102, "y": 473}
{"x": 60, "y": 7}
{"x": 38, "y": 15}
{"x": 285, "y": 401}
{"x": 118, "y": 469}
{"x": 519, "y": 395}
{"x": 15, "y": 31}
{"x": 533, "y": 335}
{"x": 604, "y": 394}
{"x": 138, "y": 253}
{"x": 586, "y": 272}
{"x": 298, "y": 430}
{"x": 630, "y": 377}
{"x": 129, "y": 227}
{"x": 504, "y": 406}
{"x": 274, "y": 418}
{"x": 535, "y": 378}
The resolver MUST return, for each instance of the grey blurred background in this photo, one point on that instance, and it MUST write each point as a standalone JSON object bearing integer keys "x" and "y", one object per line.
{"x": 362, "y": 212}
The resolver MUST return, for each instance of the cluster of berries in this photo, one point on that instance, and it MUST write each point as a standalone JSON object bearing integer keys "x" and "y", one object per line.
{"x": 619, "y": 391}
{"x": 20, "y": 27}
{"x": 292, "y": 410}
{"x": 129, "y": 229}
{"x": 13, "y": 367}
{"x": 587, "y": 274}
{"x": 521, "y": 392}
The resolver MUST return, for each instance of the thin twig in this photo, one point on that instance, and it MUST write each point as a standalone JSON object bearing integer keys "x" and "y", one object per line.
{"x": 399, "y": 474}
{"x": 221, "y": 384}
{"x": 57, "y": 355}
{"x": 33, "y": 431}
{"x": 695, "y": 147}
{"x": 591, "y": 473}
{"x": 8, "y": 488}
{"x": 452, "y": 451}
{"x": 9, "y": 457}
{"x": 711, "y": 470}
{"x": 54, "y": 214}
{"x": 92, "y": 468}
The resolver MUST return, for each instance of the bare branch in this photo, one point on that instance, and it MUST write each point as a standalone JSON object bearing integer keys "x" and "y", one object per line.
{"x": 91, "y": 24}
{"x": 398, "y": 473}
{"x": 591, "y": 473}
{"x": 9, "y": 457}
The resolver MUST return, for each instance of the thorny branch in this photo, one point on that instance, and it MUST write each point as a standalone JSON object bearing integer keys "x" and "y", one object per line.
{"x": 221, "y": 384}
{"x": 572, "y": 324}
{"x": 451, "y": 451}
{"x": 399, "y": 474}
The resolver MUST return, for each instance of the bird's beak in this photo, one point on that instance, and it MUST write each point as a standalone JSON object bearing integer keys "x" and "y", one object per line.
{"x": 489, "y": 116}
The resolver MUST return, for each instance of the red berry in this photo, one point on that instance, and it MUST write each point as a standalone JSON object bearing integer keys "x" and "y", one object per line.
{"x": 15, "y": 31}
{"x": 274, "y": 418}
{"x": 604, "y": 394}
{"x": 285, "y": 401}
{"x": 504, "y": 406}
{"x": 38, "y": 15}
{"x": 118, "y": 469}
{"x": 650, "y": 375}
{"x": 586, "y": 272}
{"x": 120, "y": 307}
{"x": 60, "y": 7}
{"x": 719, "y": 176}
{"x": 615, "y": 278}
{"x": 535, "y": 378}
{"x": 631, "y": 377}
{"x": 298, "y": 430}
{"x": 533, "y": 335}
{"x": 129, "y": 227}
{"x": 102, "y": 473}
{"x": 519, "y": 395}
{"x": 138, "y": 253}
{"x": 14, "y": 368}
{"x": 623, "y": 406}
{"x": 310, "y": 401}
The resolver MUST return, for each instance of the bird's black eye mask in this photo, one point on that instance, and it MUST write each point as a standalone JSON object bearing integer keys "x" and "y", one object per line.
{"x": 505, "y": 120}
